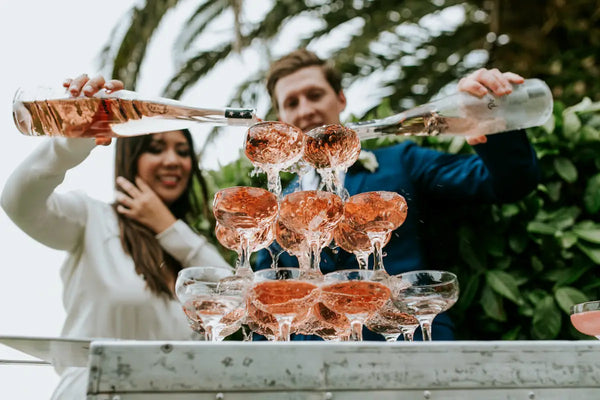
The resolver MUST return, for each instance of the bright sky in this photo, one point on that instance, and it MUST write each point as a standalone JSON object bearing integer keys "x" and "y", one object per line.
{"x": 44, "y": 42}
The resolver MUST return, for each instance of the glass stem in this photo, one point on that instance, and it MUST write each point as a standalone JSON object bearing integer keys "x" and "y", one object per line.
{"x": 408, "y": 332}
{"x": 208, "y": 333}
{"x": 247, "y": 333}
{"x": 274, "y": 183}
{"x": 244, "y": 268}
{"x": 377, "y": 254}
{"x": 391, "y": 337}
{"x": 425, "y": 322}
{"x": 315, "y": 256}
{"x": 285, "y": 328}
{"x": 363, "y": 260}
{"x": 356, "y": 334}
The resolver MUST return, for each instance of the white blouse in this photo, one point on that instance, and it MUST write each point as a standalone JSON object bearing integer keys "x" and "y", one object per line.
{"x": 103, "y": 295}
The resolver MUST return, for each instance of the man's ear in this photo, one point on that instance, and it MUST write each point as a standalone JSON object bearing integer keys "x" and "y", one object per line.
{"x": 341, "y": 101}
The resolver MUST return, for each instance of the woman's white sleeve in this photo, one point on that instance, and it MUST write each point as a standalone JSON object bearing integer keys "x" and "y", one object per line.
{"x": 28, "y": 198}
{"x": 188, "y": 247}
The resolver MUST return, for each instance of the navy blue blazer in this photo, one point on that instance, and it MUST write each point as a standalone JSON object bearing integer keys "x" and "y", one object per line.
{"x": 504, "y": 169}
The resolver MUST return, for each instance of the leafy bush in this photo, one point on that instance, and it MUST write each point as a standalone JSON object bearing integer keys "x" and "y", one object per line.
{"x": 522, "y": 265}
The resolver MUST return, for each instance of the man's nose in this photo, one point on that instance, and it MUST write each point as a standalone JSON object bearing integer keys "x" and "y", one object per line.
{"x": 305, "y": 108}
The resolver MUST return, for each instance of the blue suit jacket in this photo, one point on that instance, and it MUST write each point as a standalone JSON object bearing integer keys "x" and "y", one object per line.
{"x": 504, "y": 169}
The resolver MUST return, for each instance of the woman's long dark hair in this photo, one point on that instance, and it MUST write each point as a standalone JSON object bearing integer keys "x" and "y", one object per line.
{"x": 151, "y": 261}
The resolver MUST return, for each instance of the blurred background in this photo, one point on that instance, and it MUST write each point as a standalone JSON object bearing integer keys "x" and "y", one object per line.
{"x": 520, "y": 265}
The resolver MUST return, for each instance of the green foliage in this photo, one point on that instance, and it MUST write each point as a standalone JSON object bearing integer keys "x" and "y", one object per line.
{"x": 522, "y": 265}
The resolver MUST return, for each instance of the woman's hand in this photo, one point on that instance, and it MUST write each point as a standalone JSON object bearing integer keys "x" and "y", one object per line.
{"x": 89, "y": 87}
{"x": 483, "y": 81}
{"x": 140, "y": 203}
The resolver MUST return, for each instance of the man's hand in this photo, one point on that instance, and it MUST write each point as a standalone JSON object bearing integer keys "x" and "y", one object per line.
{"x": 484, "y": 81}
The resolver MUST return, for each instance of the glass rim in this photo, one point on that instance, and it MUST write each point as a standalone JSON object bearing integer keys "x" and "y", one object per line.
{"x": 359, "y": 271}
{"x": 585, "y": 306}
{"x": 452, "y": 274}
{"x": 260, "y": 275}
{"x": 203, "y": 267}
{"x": 273, "y": 123}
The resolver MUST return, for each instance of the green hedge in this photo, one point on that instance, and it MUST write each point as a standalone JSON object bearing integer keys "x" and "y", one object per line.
{"x": 522, "y": 265}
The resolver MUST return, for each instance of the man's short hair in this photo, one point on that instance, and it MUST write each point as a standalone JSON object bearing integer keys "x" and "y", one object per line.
{"x": 295, "y": 61}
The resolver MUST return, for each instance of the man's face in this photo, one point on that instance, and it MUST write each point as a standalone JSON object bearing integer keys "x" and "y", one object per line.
{"x": 307, "y": 100}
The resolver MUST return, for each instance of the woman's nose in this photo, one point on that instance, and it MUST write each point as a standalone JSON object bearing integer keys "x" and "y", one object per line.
{"x": 170, "y": 157}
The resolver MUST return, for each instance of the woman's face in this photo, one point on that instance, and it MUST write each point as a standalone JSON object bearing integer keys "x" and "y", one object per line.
{"x": 166, "y": 165}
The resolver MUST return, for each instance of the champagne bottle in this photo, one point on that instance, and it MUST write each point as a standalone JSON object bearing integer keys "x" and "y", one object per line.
{"x": 117, "y": 114}
{"x": 529, "y": 104}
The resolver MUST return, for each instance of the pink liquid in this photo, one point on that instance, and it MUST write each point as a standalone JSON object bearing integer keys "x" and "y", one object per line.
{"x": 325, "y": 323}
{"x": 389, "y": 319}
{"x": 375, "y": 211}
{"x": 311, "y": 211}
{"x": 331, "y": 147}
{"x": 274, "y": 143}
{"x": 93, "y": 116}
{"x": 587, "y": 322}
{"x": 230, "y": 238}
{"x": 244, "y": 207}
{"x": 355, "y": 297}
{"x": 284, "y": 297}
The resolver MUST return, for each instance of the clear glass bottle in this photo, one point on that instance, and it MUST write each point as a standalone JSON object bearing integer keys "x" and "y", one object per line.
{"x": 529, "y": 104}
{"x": 48, "y": 112}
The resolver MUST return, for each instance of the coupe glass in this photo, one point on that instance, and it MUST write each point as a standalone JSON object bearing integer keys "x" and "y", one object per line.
{"x": 326, "y": 323}
{"x": 585, "y": 317}
{"x": 312, "y": 214}
{"x": 354, "y": 293}
{"x": 247, "y": 211}
{"x": 274, "y": 146}
{"x": 428, "y": 294}
{"x": 390, "y": 323}
{"x": 232, "y": 239}
{"x": 282, "y": 293}
{"x": 204, "y": 299}
{"x": 331, "y": 149}
{"x": 376, "y": 214}
{"x": 358, "y": 243}
{"x": 296, "y": 244}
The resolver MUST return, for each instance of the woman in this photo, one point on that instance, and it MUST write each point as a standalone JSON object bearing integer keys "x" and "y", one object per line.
{"x": 123, "y": 259}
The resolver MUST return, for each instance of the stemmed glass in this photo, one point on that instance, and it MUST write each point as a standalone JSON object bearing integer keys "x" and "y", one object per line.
{"x": 331, "y": 149}
{"x": 296, "y": 244}
{"x": 389, "y": 322}
{"x": 312, "y": 214}
{"x": 428, "y": 294}
{"x": 231, "y": 239}
{"x": 282, "y": 293}
{"x": 205, "y": 300}
{"x": 356, "y": 242}
{"x": 273, "y": 146}
{"x": 247, "y": 211}
{"x": 585, "y": 317}
{"x": 376, "y": 214}
{"x": 354, "y": 293}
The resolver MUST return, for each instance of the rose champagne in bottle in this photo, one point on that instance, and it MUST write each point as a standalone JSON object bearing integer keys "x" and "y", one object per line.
{"x": 117, "y": 114}
{"x": 529, "y": 104}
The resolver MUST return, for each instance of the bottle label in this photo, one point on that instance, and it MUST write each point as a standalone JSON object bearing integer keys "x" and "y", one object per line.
{"x": 239, "y": 113}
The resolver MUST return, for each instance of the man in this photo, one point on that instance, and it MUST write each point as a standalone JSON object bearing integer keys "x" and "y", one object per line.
{"x": 306, "y": 92}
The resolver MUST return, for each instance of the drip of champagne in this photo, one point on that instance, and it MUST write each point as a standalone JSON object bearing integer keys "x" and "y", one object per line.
{"x": 118, "y": 114}
{"x": 530, "y": 104}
